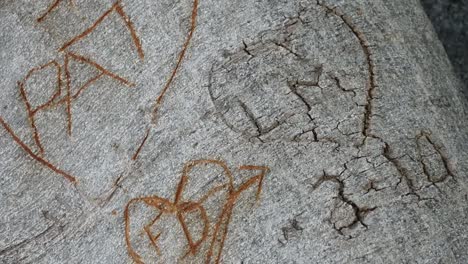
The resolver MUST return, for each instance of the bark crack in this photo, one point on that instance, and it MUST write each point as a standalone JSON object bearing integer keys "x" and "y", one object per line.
{"x": 371, "y": 83}
{"x": 359, "y": 213}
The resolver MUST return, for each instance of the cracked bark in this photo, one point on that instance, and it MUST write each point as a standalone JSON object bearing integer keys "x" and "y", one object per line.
{"x": 370, "y": 65}
{"x": 359, "y": 213}
{"x": 339, "y": 97}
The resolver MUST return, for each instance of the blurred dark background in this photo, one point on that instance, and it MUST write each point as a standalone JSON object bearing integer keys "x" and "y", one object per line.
{"x": 450, "y": 20}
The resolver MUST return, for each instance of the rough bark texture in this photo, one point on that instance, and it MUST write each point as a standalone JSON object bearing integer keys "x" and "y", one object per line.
{"x": 267, "y": 131}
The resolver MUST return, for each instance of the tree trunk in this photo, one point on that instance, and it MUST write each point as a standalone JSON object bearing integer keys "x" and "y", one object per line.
{"x": 202, "y": 131}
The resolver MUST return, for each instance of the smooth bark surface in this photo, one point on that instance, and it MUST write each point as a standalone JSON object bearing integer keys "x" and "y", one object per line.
{"x": 250, "y": 131}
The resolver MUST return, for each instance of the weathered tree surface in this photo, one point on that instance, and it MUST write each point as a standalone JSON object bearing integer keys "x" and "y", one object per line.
{"x": 250, "y": 131}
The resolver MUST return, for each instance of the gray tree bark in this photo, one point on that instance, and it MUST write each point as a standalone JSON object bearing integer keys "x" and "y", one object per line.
{"x": 253, "y": 131}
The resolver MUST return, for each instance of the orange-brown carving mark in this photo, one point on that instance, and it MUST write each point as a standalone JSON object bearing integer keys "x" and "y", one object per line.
{"x": 160, "y": 98}
{"x": 82, "y": 88}
{"x": 130, "y": 27}
{"x": 90, "y": 29}
{"x": 52, "y": 7}
{"x": 186, "y": 208}
{"x": 67, "y": 100}
{"x": 179, "y": 208}
{"x": 224, "y": 220}
{"x": 32, "y": 122}
{"x": 59, "y": 83}
{"x": 100, "y": 68}
{"x": 252, "y": 180}
{"x": 118, "y": 8}
{"x": 137, "y": 152}
{"x": 92, "y": 80}
{"x": 180, "y": 59}
{"x": 68, "y": 97}
{"x": 212, "y": 192}
{"x": 34, "y": 156}
{"x": 152, "y": 238}
{"x": 162, "y": 204}
{"x": 49, "y": 10}
{"x": 32, "y": 111}
{"x": 229, "y": 206}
